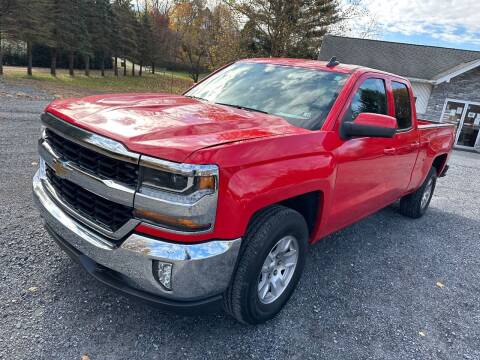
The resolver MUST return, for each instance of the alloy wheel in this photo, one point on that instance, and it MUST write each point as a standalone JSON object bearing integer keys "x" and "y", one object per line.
{"x": 278, "y": 269}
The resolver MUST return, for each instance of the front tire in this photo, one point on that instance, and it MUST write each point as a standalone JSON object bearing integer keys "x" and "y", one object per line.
{"x": 416, "y": 204}
{"x": 270, "y": 265}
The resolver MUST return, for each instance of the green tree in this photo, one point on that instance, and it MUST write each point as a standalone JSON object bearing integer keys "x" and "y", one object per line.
{"x": 70, "y": 32}
{"x": 6, "y": 7}
{"x": 60, "y": 32}
{"x": 100, "y": 30}
{"x": 124, "y": 28}
{"x": 27, "y": 23}
{"x": 89, "y": 19}
{"x": 115, "y": 36}
{"x": 251, "y": 41}
{"x": 145, "y": 39}
{"x": 134, "y": 53}
{"x": 287, "y": 27}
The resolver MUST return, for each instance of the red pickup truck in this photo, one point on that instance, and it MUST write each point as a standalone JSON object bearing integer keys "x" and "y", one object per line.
{"x": 213, "y": 197}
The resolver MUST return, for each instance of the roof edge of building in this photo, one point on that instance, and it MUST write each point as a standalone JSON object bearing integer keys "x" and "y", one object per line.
{"x": 401, "y": 43}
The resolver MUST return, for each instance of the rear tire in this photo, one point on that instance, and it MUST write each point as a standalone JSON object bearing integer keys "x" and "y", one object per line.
{"x": 265, "y": 279}
{"x": 416, "y": 204}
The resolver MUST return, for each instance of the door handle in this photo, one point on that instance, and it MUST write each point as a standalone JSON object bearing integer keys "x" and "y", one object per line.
{"x": 390, "y": 151}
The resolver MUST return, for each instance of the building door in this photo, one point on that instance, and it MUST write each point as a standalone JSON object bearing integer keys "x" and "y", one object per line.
{"x": 466, "y": 116}
{"x": 468, "y": 133}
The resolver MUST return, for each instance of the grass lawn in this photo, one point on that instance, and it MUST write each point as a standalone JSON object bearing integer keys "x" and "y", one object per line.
{"x": 63, "y": 85}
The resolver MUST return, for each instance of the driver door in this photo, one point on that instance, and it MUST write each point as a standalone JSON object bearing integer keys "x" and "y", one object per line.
{"x": 365, "y": 165}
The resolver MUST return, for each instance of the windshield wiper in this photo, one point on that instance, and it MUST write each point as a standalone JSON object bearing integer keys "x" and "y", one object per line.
{"x": 242, "y": 107}
{"x": 196, "y": 97}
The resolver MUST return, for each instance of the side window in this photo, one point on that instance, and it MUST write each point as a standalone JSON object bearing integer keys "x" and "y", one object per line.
{"x": 370, "y": 97}
{"x": 403, "y": 109}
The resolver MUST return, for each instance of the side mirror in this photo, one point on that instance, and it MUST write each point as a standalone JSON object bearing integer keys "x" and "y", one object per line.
{"x": 370, "y": 125}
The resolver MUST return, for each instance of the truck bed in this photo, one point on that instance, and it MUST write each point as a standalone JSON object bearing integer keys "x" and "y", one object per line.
{"x": 439, "y": 136}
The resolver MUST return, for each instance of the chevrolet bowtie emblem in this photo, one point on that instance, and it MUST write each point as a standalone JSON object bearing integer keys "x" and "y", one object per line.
{"x": 59, "y": 169}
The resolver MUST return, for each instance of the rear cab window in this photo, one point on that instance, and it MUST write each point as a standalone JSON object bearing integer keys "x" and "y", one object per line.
{"x": 403, "y": 107}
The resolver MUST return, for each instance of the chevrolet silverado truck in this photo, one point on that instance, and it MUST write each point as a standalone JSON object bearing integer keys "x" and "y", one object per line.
{"x": 212, "y": 198}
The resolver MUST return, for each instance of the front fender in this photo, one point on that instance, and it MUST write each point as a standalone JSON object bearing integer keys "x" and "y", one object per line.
{"x": 253, "y": 188}
{"x": 257, "y": 173}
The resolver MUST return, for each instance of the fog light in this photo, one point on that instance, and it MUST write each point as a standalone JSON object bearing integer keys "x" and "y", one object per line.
{"x": 163, "y": 273}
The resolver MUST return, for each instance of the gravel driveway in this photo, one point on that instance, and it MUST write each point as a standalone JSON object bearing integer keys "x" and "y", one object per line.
{"x": 385, "y": 288}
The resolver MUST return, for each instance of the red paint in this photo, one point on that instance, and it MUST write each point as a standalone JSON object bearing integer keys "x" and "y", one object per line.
{"x": 385, "y": 121}
{"x": 264, "y": 160}
{"x": 164, "y": 125}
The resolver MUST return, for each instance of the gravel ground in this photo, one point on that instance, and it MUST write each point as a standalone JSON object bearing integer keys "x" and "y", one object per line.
{"x": 368, "y": 292}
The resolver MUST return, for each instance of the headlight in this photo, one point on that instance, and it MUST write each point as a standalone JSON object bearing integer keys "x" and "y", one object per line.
{"x": 169, "y": 181}
{"x": 177, "y": 197}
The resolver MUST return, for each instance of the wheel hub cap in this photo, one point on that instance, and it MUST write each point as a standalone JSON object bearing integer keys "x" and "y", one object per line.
{"x": 277, "y": 269}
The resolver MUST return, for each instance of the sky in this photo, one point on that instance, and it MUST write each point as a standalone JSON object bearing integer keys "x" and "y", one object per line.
{"x": 447, "y": 23}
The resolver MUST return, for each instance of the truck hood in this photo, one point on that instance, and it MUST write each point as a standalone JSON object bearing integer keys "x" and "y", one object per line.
{"x": 166, "y": 126}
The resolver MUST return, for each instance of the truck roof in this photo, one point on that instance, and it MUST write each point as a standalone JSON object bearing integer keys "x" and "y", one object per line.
{"x": 316, "y": 64}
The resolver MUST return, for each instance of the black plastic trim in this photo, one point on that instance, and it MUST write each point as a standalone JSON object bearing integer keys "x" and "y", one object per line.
{"x": 350, "y": 129}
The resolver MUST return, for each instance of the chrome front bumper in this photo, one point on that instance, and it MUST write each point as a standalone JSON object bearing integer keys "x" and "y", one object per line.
{"x": 199, "y": 270}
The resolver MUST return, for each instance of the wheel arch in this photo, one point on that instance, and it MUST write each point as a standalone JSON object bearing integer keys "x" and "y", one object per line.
{"x": 309, "y": 204}
{"x": 439, "y": 163}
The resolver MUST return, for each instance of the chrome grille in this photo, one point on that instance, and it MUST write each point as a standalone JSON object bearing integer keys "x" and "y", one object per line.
{"x": 108, "y": 214}
{"x": 92, "y": 161}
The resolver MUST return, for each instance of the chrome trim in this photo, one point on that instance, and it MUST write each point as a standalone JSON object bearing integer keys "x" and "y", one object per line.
{"x": 106, "y": 188}
{"x": 434, "y": 125}
{"x": 95, "y": 142}
{"x": 55, "y": 212}
{"x": 198, "y": 206}
{"x": 117, "y": 235}
{"x": 172, "y": 252}
{"x": 179, "y": 168}
{"x": 199, "y": 270}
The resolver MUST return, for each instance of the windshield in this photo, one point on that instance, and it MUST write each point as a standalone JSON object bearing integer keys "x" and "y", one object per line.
{"x": 303, "y": 97}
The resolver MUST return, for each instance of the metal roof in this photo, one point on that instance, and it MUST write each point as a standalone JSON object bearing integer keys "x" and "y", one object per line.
{"x": 413, "y": 61}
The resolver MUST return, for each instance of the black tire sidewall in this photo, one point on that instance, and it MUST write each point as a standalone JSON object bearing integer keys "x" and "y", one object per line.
{"x": 292, "y": 225}
{"x": 411, "y": 205}
{"x": 431, "y": 175}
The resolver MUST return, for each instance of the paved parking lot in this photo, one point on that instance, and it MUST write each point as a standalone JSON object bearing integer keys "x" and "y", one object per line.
{"x": 368, "y": 292}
